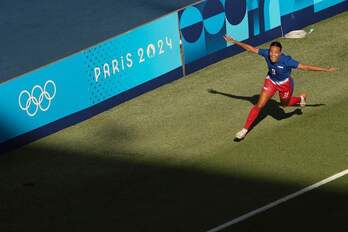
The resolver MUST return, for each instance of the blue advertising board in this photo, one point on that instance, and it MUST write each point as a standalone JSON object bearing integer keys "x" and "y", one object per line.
{"x": 93, "y": 76}
{"x": 256, "y": 21}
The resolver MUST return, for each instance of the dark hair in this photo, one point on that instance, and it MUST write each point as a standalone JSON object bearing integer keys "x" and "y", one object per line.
{"x": 276, "y": 44}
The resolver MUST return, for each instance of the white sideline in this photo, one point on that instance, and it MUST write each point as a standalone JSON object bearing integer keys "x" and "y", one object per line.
{"x": 278, "y": 202}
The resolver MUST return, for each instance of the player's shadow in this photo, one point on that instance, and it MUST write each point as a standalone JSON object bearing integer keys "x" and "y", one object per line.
{"x": 272, "y": 108}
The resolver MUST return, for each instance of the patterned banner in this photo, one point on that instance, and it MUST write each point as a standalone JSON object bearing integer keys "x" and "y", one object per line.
{"x": 89, "y": 77}
{"x": 203, "y": 25}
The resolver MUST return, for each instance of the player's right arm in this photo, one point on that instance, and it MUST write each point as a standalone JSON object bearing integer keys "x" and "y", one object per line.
{"x": 247, "y": 47}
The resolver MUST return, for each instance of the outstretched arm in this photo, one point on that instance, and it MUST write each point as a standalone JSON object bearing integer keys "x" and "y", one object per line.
{"x": 247, "y": 47}
{"x": 315, "y": 68}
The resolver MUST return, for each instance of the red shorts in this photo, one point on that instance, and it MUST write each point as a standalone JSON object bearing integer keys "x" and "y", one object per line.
{"x": 285, "y": 89}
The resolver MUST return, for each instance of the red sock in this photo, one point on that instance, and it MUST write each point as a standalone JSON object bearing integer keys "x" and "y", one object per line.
{"x": 254, "y": 112}
{"x": 294, "y": 101}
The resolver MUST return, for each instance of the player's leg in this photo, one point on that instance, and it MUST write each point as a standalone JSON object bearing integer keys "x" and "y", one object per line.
{"x": 285, "y": 94}
{"x": 267, "y": 93}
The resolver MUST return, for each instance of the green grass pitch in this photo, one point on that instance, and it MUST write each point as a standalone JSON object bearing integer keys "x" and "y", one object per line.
{"x": 166, "y": 161}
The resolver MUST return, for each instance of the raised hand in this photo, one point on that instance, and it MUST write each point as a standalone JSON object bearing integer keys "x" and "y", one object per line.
{"x": 332, "y": 69}
{"x": 229, "y": 39}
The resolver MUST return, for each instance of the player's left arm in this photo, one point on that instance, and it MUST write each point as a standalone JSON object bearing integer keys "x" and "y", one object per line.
{"x": 306, "y": 67}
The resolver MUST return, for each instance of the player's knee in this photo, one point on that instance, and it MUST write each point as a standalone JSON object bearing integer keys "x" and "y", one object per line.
{"x": 259, "y": 105}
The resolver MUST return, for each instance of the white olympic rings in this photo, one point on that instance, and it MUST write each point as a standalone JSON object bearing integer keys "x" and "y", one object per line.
{"x": 37, "y": 100}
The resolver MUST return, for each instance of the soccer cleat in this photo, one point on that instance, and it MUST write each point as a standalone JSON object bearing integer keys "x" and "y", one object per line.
{"x": 303, "y": 100}
{"x": 241, "y": 134}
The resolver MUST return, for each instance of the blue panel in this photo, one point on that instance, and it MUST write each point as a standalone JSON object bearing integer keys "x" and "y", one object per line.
{"x": 235, "y": 11}
{"x": 230, "y": 51}
{"x": 202, "y": 38}
{"x": 272, "y": 14}
{"x": 256, "y": 20}
{"x": 193, "y": 32}
{"x": 216, "y": 42}
{"x": 66, "y": 89}
{"x": 320, "y": 5}
{"x": 88, "y": 113}
{"x": 190, "y": 16}
{"x": 290, "y": 6}
{"x": 241, "y": 31}
{"x": 132, "y": 59}
{"x": 212, "y": 8}
{"x": 195, "y": 50}
{"x": 89, "y": 77}
{"x": 214, "y": 24}
{"x": 252, "y": 4}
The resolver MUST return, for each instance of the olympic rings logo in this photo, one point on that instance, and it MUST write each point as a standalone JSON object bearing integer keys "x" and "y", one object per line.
{"x": 38, "y": 98}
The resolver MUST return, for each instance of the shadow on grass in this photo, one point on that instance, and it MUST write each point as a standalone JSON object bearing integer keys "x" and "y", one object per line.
{"x": 273, "y": 108}
{"x": 53, "y": 189}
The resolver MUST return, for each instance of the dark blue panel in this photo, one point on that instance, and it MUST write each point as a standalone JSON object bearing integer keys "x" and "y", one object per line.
{"x": 236, "y": 11}
{"x": 307, "y": 16}
{"x": 192, "y": 33}
{"x": 212, "y": 8}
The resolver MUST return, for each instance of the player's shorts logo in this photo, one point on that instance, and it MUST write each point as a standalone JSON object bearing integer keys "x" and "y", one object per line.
{"x": 38, "y": 98}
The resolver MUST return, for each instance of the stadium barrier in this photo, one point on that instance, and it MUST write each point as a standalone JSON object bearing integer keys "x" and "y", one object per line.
{"x": 80, "y": 86}
{"x": 255, "y": 21}
{"x": 89, "y": 82}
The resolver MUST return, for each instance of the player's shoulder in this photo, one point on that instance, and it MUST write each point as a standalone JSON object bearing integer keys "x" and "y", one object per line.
{"x": 284, "y": 57}
{"x": 263, "y": 51}
{"x": 289, "y": 61}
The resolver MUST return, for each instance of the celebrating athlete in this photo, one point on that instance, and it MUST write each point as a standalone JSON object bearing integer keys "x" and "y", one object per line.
{"x": 278, "y": 79}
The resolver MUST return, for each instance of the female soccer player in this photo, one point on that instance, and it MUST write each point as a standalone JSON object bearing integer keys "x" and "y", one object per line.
{"x": 278, "y": 79}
